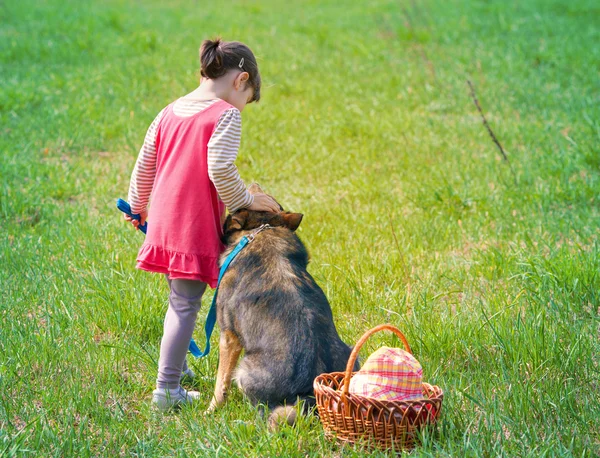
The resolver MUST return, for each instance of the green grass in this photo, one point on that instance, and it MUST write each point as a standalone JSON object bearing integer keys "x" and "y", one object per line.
{"x": 367, "y": 127}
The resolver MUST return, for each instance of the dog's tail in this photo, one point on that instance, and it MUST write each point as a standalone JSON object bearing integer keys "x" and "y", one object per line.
{"x": 288, "y": 414}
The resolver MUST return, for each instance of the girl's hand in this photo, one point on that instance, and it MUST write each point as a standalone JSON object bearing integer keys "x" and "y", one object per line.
{"x": 264, "y": 203}
{"x": 135, "y": 222}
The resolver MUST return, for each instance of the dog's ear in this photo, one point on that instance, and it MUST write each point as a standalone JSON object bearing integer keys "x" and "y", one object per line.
{"x": 255, "y": 188}
{"x": 292, "y": 220}
{"x": 235, "y": 222}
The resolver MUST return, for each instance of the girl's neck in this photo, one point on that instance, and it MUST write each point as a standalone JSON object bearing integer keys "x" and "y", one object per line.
{"x": 208, "y": 90}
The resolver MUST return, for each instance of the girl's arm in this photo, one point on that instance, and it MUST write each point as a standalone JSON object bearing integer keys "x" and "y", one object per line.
{"x": 142, "y": 178}
{"x": 222, "y": 151}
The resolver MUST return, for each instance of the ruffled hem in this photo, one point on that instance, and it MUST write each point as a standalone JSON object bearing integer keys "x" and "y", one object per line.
{"x": 179, "y": 265}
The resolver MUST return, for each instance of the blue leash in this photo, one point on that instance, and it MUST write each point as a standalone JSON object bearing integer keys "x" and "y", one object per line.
{"x": 211, "y": 318}
{"x": 126, "y": 208}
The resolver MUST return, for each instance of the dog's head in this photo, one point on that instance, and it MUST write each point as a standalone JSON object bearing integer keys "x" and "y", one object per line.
{"x": 246, "y": 220}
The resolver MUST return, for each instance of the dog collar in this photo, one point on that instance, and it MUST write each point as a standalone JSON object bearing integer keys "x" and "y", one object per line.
{"x": 253, "y": 235}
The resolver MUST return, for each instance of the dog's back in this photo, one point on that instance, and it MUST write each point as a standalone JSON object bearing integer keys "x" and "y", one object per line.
{"x": 281, "y": 317}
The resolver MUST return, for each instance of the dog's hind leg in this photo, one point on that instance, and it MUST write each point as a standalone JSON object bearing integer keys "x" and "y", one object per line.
{"x": 229, "y": 353}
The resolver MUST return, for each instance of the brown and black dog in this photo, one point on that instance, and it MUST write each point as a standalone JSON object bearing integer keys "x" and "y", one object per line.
{"x": 269, "y": 306}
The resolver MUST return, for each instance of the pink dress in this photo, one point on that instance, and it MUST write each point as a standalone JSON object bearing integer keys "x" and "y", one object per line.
{"x": 184, "y": 226}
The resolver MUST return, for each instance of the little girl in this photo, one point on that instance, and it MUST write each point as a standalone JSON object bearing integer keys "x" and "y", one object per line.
{"x": 187, "y": 164}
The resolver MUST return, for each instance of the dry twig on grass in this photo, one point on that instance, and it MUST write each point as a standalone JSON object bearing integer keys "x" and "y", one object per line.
{"x": 489, "y": 129}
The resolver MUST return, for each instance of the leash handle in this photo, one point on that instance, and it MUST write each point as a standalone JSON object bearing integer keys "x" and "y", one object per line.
{"x": 126, "y": 208}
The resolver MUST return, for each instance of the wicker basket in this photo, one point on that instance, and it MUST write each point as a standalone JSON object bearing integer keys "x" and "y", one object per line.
{"x": 376, "y": 423}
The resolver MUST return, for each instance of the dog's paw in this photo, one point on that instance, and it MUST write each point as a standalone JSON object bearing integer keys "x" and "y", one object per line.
{"x": 214, "y": 404}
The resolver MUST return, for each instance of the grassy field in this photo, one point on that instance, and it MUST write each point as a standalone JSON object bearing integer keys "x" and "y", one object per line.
{"x": 412, "y": 217}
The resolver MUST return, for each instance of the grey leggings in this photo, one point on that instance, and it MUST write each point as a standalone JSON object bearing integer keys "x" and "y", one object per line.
{"x": 184, "y": 303}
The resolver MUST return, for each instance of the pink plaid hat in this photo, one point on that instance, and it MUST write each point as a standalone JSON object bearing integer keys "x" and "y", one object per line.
{"x": 390, "y": 374}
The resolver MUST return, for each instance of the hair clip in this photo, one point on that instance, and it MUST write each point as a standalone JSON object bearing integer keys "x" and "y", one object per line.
{"x": 241, "y": 65}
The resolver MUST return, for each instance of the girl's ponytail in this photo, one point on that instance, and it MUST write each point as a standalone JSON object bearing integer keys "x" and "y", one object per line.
{"x": 211, "y": 59}
{"x": 217, "y": 57}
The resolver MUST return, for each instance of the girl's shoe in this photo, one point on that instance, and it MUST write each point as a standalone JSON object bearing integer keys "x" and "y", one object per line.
{"x": 166, "y": 399}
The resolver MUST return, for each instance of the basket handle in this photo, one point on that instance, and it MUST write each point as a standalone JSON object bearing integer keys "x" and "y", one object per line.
{"x": 360, "y": 343}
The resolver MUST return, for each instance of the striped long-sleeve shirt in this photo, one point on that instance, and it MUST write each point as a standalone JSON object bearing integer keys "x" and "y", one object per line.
{"x": 223, "y": 148}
